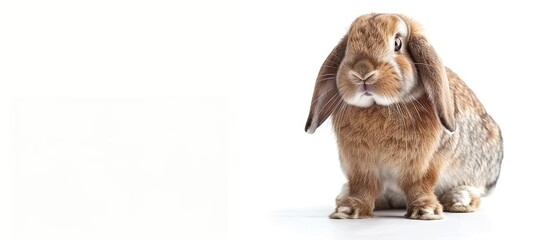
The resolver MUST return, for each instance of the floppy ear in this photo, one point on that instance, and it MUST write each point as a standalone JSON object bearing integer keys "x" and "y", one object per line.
{"x": 326, "y": 97}
{"x": 432, "y": 73}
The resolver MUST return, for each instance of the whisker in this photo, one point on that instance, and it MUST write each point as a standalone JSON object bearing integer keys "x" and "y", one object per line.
{"x": 337, "y": 118}
{"x": 322, "y": 95}
{"x": 339, "y": 113}
{"x": 326, "y": 79}
{"x": 329, "y": 63}
{"x": 334, "y": 55}
{"x": 327, "y": 74}
{"x": 327, "y": 102}
{"x": 404, "y": 129}
{"x": 425, "y": 109}
{"x": 337, "y": 61}
{"x": 330, "y": 66}
{"x": 416, "y": 143}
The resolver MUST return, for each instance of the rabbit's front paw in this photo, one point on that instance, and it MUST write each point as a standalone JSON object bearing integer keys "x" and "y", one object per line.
{"x": 352, "y": 208}
{"x": 429, "y": 209}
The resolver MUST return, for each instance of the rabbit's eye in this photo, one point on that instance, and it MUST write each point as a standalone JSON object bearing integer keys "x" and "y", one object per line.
{"x": 398, "y": 44}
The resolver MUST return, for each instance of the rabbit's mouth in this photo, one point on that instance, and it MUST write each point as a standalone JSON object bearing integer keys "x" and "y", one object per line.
{"x": 360, "y": 99}
{"x": 366, "y": 88}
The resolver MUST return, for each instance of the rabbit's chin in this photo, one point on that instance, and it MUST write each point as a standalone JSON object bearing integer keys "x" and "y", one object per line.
{"x": 366, "y": 99}
{"x": 361, "y": 99}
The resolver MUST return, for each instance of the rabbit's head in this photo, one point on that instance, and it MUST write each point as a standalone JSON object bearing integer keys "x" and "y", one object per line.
{"x": 383, "y": 59}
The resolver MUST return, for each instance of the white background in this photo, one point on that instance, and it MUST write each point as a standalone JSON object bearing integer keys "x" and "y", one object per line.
{"x": 184, "y": 120}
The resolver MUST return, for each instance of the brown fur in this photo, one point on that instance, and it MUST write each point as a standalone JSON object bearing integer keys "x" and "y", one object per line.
{"x": 404, "y": 139}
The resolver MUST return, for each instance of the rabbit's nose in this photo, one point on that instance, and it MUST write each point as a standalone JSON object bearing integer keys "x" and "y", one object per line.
{"x": 366, "y": 78}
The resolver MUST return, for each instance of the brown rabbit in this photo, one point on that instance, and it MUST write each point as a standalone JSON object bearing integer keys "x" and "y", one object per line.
{"x": 410, "y": 133}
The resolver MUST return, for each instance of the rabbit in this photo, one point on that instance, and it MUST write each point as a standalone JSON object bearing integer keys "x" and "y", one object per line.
{"x": 410, "y": 133}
